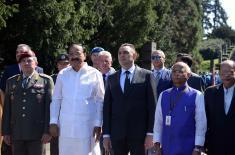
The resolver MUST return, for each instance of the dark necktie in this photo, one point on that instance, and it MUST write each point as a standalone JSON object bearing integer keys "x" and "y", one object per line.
{"x": 104, "y": 76}
{"x": 25, "y": 82}
{"x": 127, "y": 81}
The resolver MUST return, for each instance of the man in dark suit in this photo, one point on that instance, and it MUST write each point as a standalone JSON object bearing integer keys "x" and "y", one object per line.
{"x": 220, "y": 110}
{"x": 162, "y": 75}
{"x": 26, "y": 112}
{"x": 10, "y": 71}
{"x": 195, "y": 81}
{"x": 128, "y": 112}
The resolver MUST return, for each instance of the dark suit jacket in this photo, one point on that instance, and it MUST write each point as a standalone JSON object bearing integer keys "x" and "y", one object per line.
{"x": 10, "y": 71}
{"x": 220, "y": 136}
{"x": 195, "y": 81}
{"x": 165, "y": 81}
{"x": 129, "y": 115}
{"x": 26, "y": 112}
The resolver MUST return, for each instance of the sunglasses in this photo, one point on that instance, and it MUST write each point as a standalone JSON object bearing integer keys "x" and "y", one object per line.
{"x": 155, "y": 57}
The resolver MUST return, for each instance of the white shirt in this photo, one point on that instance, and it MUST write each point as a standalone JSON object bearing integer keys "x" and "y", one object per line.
{"x": 111, "y": 71}
{"x": 123, "y": 76}
{"x": 200, "y": 119}
{"x": 228, "y": 95}
{"x": 77, "y": 101}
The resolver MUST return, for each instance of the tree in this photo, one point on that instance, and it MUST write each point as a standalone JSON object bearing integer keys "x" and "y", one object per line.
{"x": 49, "y": 26}
{"x": 5, "y": 12}
{"x": 125, "y": 21}
{"x": 214, "y": 14}
{"x": 224, "y": 32}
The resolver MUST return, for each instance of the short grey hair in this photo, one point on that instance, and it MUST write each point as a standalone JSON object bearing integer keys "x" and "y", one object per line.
{"x": 105, "y": 53}
{"x": 22, "y": 46}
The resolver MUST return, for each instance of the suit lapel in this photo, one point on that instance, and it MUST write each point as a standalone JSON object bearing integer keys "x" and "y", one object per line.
{"x": 135, "y": 79}
{"x": 232, "y": 105}
{"x": 220, "y": 100}
{"x": 118, "y": 74}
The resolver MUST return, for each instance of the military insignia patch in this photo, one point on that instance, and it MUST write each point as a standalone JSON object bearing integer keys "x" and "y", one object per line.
{"x": 38, "y": 86}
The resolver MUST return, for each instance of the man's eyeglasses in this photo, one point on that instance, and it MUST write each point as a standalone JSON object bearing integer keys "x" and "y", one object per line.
{"x": 155, "y": 57}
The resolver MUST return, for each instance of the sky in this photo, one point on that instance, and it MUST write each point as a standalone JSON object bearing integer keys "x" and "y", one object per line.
{"x": 228, "y": 6}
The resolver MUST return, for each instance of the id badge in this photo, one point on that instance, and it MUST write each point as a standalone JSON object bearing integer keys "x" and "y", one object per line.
{"x": 168, "y": 120}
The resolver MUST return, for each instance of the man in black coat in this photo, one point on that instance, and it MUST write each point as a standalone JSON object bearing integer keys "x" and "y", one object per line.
{"x": 128, "y": 112}
{"x": 220, "y": 110}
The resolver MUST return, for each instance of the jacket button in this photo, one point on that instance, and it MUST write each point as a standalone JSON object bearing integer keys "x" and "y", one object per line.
{"x": 23, "y": 108}
{"x": 24, "y": 100}
{"x": 24, "y": 93}
{"x": 23, "y": 115}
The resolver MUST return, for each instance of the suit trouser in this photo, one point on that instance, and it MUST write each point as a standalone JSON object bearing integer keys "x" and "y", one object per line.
{"x": 124, "y": 146}
{"x": 27, "y": 147}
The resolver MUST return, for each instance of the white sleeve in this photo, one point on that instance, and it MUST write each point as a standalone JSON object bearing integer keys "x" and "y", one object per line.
{"x": 56, "y": 101}
{"x": 158, "y": 122}
{"x": 99, "y": 99}
{"x": 200, "y": 118}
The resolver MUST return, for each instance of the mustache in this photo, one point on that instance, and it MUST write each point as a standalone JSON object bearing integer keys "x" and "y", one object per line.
{"x": 75, "y": 59}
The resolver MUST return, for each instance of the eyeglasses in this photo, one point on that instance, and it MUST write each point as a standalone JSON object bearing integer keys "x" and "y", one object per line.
{"x": 156, "y": 57}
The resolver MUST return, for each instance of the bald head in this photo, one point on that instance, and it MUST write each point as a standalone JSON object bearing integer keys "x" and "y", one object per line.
{"x": 180, "y": 73}
{"x": 230, "y": 63}
{"x": 227, "y": 73}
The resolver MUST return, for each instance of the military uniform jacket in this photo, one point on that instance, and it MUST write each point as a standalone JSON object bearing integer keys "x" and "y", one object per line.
{"x": 26, "y": 112}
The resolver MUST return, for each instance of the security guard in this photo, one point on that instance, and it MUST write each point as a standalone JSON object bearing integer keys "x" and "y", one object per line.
{"x": 26, "y": 110}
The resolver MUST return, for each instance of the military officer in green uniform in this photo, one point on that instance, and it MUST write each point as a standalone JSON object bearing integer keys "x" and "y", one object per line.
{"x": 26, "y": 112}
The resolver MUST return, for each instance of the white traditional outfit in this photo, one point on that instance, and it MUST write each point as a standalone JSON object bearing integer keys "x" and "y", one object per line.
{"x": 76, "y": 107}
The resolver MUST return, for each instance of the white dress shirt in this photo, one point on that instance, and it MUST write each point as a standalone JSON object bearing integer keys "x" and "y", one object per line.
{"x": 200, "y": 119}
{"x": 228, "y": 95}
{"x": 77, "y": 101}
{"x": 123, "y": 76}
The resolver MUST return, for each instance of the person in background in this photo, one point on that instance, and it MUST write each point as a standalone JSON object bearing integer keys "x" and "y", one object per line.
{"x": 195, "y": 81}
{"x": 162, "y": 75}
{"x": 105, "y": 63}
{"x": 10, "y": 71}
{"x": 62, "y": 61}
{"x": 180, "y": 118}
{"x": 128, "y": 112}
{"x": 220, "y": 110}
{"x": 77, "y": 104}
{"x": 26, "y": 111}
{"x": 94, "y": 56}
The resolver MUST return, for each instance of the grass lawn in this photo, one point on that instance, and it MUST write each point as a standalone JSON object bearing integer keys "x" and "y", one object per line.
{"x": 205, "y": 65}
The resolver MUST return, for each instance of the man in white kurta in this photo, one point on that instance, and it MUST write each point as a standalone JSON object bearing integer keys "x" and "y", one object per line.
{"x": 76, "y": 108}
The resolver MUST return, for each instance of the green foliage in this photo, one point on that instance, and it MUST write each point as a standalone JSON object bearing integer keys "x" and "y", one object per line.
{"x": 49, "y": 26}
{"x": 209, "y": 48}
{"x": 5, "y": 12}
{"x": 214, "y": 14}
{"x": 224, "y": 32}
